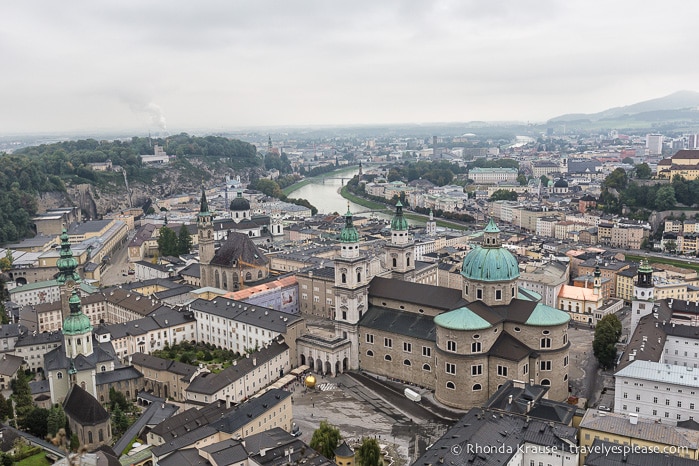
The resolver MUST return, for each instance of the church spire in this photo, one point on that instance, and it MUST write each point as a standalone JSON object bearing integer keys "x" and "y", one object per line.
{"x": 67, "y": 264}
{"x": 204, "y": 205}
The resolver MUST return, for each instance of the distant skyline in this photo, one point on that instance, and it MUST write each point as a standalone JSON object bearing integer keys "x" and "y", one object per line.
{"x": 224, "y": 65}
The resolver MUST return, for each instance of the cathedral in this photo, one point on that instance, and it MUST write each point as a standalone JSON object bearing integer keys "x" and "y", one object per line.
{"x": 461, "y": 343}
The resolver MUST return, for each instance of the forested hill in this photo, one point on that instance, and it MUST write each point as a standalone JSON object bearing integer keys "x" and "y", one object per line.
{"x": 31, "y": 171}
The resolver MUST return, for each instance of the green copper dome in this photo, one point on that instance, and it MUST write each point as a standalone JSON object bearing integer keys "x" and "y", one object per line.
{"x": 399, "y": 223}
{"x": 543, "y": 316}
{"x": 462, "y": 318}
{"x": 76, "y": 323}
{"x": 66, "y": 263}
{"x": 645, "y": 267}
{"x": 490, "y": 262}
{"x": 490, "y": 265}
{"x": 349, "y": 233}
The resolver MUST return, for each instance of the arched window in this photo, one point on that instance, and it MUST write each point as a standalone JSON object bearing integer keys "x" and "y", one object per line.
{"x": 370, "y": 353}
{"x": 407, "y": 362}
{"x": 359, "y": 277}
{"x": 426, "y": 367}
{"x": 259, "y": 274}
{"x": 59, "y": 375}
{"x": 546, "y": 383}
{"x": 100, "y": 435}
{"x": 477, "y": 387}
{"x": 407, "y": 260}
{"x": 103, "y": 368}
{"x": 451, "y": 386}
{"x": 395, "y": 262}
{"x": 217, "y": 279}
{"x": 248, "y": 276}
{"x": 388, "y": 357}
{"x": 89, "y": 436}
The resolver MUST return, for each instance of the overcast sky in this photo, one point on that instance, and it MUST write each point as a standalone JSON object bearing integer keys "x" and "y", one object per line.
{"x": 229, "y": 64}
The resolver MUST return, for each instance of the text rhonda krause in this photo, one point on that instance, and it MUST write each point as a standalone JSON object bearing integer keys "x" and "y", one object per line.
{"x": 605, "y": 449}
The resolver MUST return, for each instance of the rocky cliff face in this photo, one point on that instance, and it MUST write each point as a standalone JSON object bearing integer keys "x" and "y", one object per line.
{"x": 95, "y": 201}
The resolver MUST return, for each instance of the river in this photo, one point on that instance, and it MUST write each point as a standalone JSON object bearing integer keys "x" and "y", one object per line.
{"x": 326, "y": 196}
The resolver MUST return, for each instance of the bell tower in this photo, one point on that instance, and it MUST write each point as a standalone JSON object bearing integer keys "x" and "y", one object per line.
{"x": 351, "y": 287}
{"x": 205, "y": 231}
{"x": 68, "y": 277}
{"x": 643, "y": 295}
{"x": 400, "y": 252}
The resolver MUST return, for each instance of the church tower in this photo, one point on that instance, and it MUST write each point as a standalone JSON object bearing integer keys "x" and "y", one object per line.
{"x": 642, "y": 303}
{"x": 351, "y": 287}
{"x": 68, "y": 277}
{"x": 400, "y": 252}
{"x": 205, "y": 230}
{"x": 431, "y": 227}
{"x": 597, "y": 282}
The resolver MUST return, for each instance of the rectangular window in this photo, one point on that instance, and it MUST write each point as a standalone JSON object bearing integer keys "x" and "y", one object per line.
{"x": 450, "y": 368}
{"x": 451, "y": 345}
{"x": 546, "y": 343}
{"x": 479, "y": 294}
{"x": 545, "y": 365}
{"x": 655, "y": 399}
{"x": 525, "y": 369}
{"x": 476, "y": 347}
{"x": 426, "y": 351}
{"x": 407, "y": 347}
{"x": 502, "y": 371}
{"x": 370, "y": 338}
{"x": 477, "y": 369}
{"x": 388, "y": 342}
{"x": 498, "y": 295}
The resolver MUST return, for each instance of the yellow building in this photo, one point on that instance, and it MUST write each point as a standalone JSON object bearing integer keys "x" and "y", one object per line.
{"x": 631, "y": 431}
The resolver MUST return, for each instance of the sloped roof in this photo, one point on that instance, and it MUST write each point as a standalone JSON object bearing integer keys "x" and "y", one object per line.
{"x": 84, "y": 408}
{"x": 238, "y": 246}
{"x": 415, "y": 293}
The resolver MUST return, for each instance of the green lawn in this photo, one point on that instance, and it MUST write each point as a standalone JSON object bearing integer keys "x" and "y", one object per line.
{"x": 36, "y": 460}
{"x": 662, "y": 260}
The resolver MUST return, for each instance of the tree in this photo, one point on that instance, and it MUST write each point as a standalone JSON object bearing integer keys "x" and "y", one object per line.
{"x": 643, "y": 171}
{"x": 21, "y": 394}
{"x": 544, "y": 180}
{"x": 6, "y": 262}
{"x": 36, "y": 422}
{"x": 618, "y": 179}
{"x": 504, "y": 195}
{"x": 369, "y": 452}
{"x": 665, "y": 198}
{"x": 325, "y": 439}
{"x": 184, "y": 240}
{"x": 522, "y": 179}
{"x": 5, "y": 408}
{"x": 167, "y": 242}
{"x": 56, "y": 420}
{"x": 607, "y": 333}
{"x": 671, "y": 246}
{"x": 627, "y": 160}
{"x": 119, "y": 421}
{"x": 118, "y": 398}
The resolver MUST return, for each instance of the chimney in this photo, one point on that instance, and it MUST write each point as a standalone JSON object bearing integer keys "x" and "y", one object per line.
{"x": 254, "y": 361}
{"x": 633, "y": 418}
{"x": 509, "y": 400}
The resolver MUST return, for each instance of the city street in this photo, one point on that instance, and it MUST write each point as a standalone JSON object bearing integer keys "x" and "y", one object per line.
{"x": 118, "y": 265}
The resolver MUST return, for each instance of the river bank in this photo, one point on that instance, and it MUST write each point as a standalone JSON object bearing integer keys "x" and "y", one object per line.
{"x": 314, "y": 179}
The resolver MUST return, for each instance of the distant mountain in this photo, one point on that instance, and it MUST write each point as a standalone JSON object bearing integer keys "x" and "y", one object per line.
{"x": 680, "y": 105}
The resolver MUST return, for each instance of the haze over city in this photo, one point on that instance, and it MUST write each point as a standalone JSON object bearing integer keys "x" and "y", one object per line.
{"x": 218, "y": 65}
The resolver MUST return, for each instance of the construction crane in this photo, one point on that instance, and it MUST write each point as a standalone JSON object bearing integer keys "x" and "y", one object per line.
{"x": 248, "y": 264}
